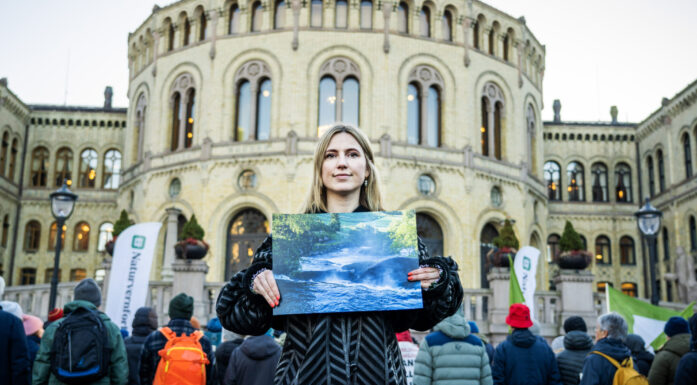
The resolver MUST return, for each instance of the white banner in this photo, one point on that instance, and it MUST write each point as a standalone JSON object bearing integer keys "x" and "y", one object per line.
{"x": 525, "y": 265}
{"x": 130, "y": 272}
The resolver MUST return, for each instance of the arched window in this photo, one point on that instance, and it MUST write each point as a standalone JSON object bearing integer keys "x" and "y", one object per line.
{"x": 257, "y": 16}
{"x": 81, "y": 242}
{"x": 316, "y": 11}
{"x": 279, "y": 20}
{"x": 64, "y": 166}
{"x": 246, "y": 231}
{"x": 27, "y": 276}
{"x": 553, "y": 249}
{"x": 661, "y": 171}
{"x": 32, "y": 236}
{"x": 13, "y": 159}
{"x": 403, "y": 17}
{"x": 552, "y": 173}
{"x": 584, "y": 242}
{"x": 341, "y": 16}
{"x": 187, "y": 31}
{"x": 183, "y": 102}
{"x": 3, "y": 151}
{"x": 506, "y": 46}
{"x": 486, "y": 244}
{"x": 447, "y": 24}
{"x": 413, "y": 113}
{"x": 53, "y": 233}
{"x": 253, "y": 110}
{"x": 603, "y": 253}
{"x": 39, "y": 167}
{"x": 425, "y": 21}
{"x": 693, "y": 233}
{"x": 666, "y": 244}
{"x": 492, "y": 114}
{"x": 170, "y": 34}
{"x": 627, "y": 256}
{"x": 366, "y": 14}
{"x": 233, "y": 25}
{"x": 649, "y": 170}
{"x": 139, "y": 127}
{"x": 202, "y": 24}
{"x": 599, "y": 175}
{"x": 623, "y": 180}
{"x": 430, "y": 233}
{"x": 688, "y": 154}
{"x": 88, "y": 167}
{"x": 629, "y": 288}
{"x": 429, "y": 85}
{"x": 475, "y": 34}
{"x": 531, "y": 141}
{"x": 339, "y": 93}
{"x": 112, "y": 169}
{"x": 574, "y": 174}
{"x": 105, "y": 231}
{"x": 5, "y": 230}
{"x": 492, "y": 41}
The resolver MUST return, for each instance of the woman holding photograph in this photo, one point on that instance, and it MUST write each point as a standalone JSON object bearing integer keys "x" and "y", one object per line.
{"x": 338, "y": 348}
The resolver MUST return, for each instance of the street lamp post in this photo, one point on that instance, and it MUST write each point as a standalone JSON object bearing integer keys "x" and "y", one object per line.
{"x": 62, "y": 205}
{"x": 649, "y": 221}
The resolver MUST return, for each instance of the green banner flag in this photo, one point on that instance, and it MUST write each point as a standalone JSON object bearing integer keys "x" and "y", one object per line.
{"x": 515, "y": 295}
{"x": 643, "y": 318}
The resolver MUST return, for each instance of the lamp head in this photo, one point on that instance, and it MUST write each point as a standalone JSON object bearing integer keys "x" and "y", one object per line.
{"x": 649, "y": 219}
{"x": 62, "y": 202}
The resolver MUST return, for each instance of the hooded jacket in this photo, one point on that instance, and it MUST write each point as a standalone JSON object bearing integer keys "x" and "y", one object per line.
{"x": 597, "y": 370}
{"x": 667, "y": 358}
{"x": 642, "y": 358}
{"x": 144, "y": 323}
{"x": 118, "y": 366}
{"x": 254, "y": 362}
{"x": 687, "y": 367}
{"x": 452, "y": 355}
{"x": 577, "y": 344}
{"x": 14, "y": 358}
{"x": 524, "y": 358}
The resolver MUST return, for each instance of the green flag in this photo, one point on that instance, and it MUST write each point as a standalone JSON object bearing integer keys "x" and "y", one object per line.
{"x": 515, "y": 295}
{"x": 643, "y": 318}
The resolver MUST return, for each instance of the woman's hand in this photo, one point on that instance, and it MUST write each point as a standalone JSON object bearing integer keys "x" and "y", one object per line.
{"x": 265, "y": 284}
{"x": 427, "y": 275}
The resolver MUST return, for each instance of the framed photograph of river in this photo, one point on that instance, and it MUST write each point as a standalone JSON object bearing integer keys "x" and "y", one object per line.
{"x": 348, "y": 262}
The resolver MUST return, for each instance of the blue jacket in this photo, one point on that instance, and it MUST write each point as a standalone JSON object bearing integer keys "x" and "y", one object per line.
{"x": 597, "y": 370}
{"x": 525, "y": 359}
{"x": 14, "y": 358}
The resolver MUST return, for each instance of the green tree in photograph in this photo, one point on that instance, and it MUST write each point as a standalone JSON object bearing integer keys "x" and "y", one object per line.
{"x": 403, "y": 232}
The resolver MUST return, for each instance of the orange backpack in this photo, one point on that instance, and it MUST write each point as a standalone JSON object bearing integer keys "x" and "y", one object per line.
{"x": 182, "y": 361}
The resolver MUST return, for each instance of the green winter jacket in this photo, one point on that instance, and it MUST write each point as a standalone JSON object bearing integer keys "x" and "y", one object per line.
{"x": 118, "y": 369}
{"x": 452, "y": 356}
{"x": 665, "y": 364}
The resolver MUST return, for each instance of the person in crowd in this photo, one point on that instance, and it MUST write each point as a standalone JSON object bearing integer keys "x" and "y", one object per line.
{"x": 686, "y": 372}
{"x": 144, "y": 323}
{"x": 641, "y": 357}
{"x": 181, "y": 308}
{"x": 53, "y": 316}
{"x": 231, "y": 341}
{"x": 557, "y": 345}
{"x": 610, "y": 332}
{"x": 665, "y": 363}
{"x": 14, "y": 357}
{"x": 577, "y": 344}
{"x": 524, "y": 358}
{"x": 214, "y": 332}
{"x": 344, "y": 180}
{"x": 254, "y": 362}
{"x": 409, "y": 350}
{"x": 195, "y": 323}
{"x": 87, "y": 298}
{"x": 12, "y": 308}
{"x": 33, "y": 329}
{"x": 474, "y": 329}
{"x": 451, "y": 354}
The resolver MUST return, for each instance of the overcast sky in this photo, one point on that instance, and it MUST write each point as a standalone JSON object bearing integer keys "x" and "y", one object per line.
{"x": 629, "y": 53}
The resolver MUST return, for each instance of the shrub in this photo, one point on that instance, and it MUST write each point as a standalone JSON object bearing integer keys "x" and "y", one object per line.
{"x": 507, "y": 237}
{"x": 122, "y": 224}
{"x": 570, "y": 239}
{"x": 192, "y": 230}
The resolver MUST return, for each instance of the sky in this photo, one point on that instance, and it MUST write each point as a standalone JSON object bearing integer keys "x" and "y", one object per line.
{"x": 599, "y": 53}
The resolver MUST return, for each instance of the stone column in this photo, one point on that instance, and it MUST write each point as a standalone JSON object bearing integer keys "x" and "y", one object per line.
{"x": 170, "y": 240}
{"x": 190, "y": 278}
{"x": 499, "y": 281}
{"x": 576, "y": 290}
{"x": 106, "y": 265}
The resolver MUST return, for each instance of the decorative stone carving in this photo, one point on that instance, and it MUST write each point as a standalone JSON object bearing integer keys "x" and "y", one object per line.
{"x": 253, "y": 71}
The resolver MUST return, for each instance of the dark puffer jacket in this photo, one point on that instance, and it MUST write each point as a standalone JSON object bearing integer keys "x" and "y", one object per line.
{"x": 14, "y": 358}
{"x": 687, "y": 368}
{"x": 222, "y": 356}
{"x": 667, "y": 358}
{"x": 144, "y": 323}
{"x": 253, "y": 363}
{"x": 597, "y": 370}
{"x": 577, "y": 344}
{"x": 340, "y": 348}
{"x": 524, "y": 358}
{"x": 642, "y": 358}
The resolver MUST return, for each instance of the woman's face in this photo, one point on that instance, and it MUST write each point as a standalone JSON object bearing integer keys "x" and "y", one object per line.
{"x": 344, "y": 167}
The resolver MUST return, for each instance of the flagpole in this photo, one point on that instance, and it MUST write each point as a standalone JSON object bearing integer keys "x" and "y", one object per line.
{"x": 607, "y": 299}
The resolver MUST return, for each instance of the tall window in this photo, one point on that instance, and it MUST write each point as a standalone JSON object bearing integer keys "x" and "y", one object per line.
{"x": 629, "y": 288}
{"x": 552, "y": 173}
{"x": 279, "y": 19}
{"x": 506, "y": 45}
{"x": 202, "y": 24}
{"x": 574, "y": 174}
{"x": 39, "y": 167}
{"x": 53, "y": 233}
{"x": 253, "y": 112}
{"x": 139, "y": 127}
{"x": 105, "y": 231}
{"x": 492, "y": 41}
{"x": 475, "y": 34}
{"x": 627, "y": 256}
{"x": 531, "y": 121}
{"x": 366, "y": 14}
{"x": 623, "y": 183}
{"x": 492, "y": 114}
{"x": 187, "y": 31}
{"x": 13, "y": 159}
{"x": 666, "y": 244}
{"x": 553, "y": 249}
{"x": 246, "y": 231}
{"x": 257, "y": 16}
{"x": 661, "y": 171}
{"x": 447, "y": 24}
{"x": 339, "y": 93}
{"x": 183, "y": 102}
{"x": 649, "y": 170}
{"x": 64, "y": 165}
{"x": 112, "y": 169}
{"x": 27, "y": 276}
{"x": 599, "y": 175}
{"x": 81, "y": 242}
{"x": 3, "y": 151}
{"x": 189, "y": 121}
{"x": 403, "y": 17}
{"x": 32, "y": 236}
{"x": 233, "y": 25}
{"x": 430, "y": 232}
{"x": 686, "y": 148}
{"x": 316, "y": 11}
{"x": 425, "y": 21}
{"x": 88, "y": 167}
{"x": 693, "y": 233}
{"x": 341, "y": 16}
{"x": 429, "y": 85}
{"x": 5, "y": 230}
{"x": 603, "y": 254}
{"x": 170, "y": 34}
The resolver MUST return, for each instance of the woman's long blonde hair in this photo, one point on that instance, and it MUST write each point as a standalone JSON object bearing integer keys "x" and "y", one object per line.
{"x": 370, "y": 197}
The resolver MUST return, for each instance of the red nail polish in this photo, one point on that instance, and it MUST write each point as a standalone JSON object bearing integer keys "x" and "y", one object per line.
{"x": 278, "y": 297}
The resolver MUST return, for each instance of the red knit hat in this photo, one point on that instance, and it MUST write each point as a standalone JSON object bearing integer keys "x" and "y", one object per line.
{"x": 519, "y": 316}
{"x": 404, "y": 336}
{"x": 55, "y": 314}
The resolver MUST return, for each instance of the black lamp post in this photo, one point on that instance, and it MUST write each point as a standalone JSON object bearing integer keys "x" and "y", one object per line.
{"x": 62, "y": 205}
{"x": 649, "y": 220}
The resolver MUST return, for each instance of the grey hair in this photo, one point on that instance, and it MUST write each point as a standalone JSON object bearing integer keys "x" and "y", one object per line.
{"x": 614, "y": 324}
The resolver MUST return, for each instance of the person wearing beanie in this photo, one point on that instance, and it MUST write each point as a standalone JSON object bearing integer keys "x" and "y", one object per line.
{"x": 575, "y": 323}
{"x": 53, "y": 315}
{"x": 665, "y": 363}
{"x": 144, "y": 323}
{"x": 474, "y": 329}
{"x": 577, "y": 344}
{"x": 86, "y": 296}
{"x": 524, "y": 358}
{"x": 231, "y": 341}
{"x": 686, "y": 372}
{"x": 641, "y": 357}
{"x": 15, "y": 367}
{"x": 181, "y": 308}
{"x": 214, "y": 331}
{"x": 12, "y": 308}
{"x": 33, "y": 329}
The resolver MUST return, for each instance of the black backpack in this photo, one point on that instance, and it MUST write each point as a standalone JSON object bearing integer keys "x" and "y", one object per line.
{"x": 81, "y": 350}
